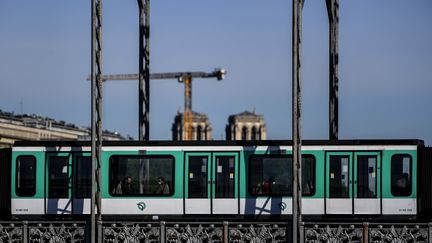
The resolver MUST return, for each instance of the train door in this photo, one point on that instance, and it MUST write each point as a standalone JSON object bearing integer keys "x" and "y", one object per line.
{"x": 338, "y": 183}
{"x": 81, "y": 192}
{"x": 353, "y": 183}
{"x": 367, "y": 183}
{"x": 198, "y": 183}
{"x": 224, "y": 187}
{"x": 58, "y": 184}
{"x": 211, "y": 183}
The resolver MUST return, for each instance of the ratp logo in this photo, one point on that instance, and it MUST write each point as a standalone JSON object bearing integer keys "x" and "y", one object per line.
{"x": 141, "y": 206}
{"x": 282, "y": 206}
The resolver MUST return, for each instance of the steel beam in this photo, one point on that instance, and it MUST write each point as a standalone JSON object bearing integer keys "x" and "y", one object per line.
{"x": 144, "y": 70}
{"x": 96, "y": 114}
{"x": 333, "y": 16}
{"x": 296, "y": 117}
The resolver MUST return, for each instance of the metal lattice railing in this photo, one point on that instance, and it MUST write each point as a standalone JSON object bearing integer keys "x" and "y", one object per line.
{"x": 33, "y": 232}
{"x": 368, "y": 232}
{"x": 212, "y": 232}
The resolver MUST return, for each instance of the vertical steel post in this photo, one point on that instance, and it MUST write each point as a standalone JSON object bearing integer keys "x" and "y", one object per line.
{"x": 100, "y": 233}
{"x": 225, "y": 233}
{"x": 430, "y": 232}
{"x": 144, "y": 70}
{"x": 365, "y": 232}
{"x": 162, "y": 232}
{"x": 25, "y": 232}
{"x": 333, "y": 16}
{"x": 96, "y": 113}
{"x": 296, "y": 117}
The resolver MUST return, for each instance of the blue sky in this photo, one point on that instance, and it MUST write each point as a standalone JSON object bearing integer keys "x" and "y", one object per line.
{"x": 385, "y": 64}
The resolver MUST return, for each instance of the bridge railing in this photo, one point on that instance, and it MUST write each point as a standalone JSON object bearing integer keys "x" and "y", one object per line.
{"x": 193, "y": 232}
{"x": 367, "y": 232}
{"x": 215, "y": 232}
{"x": 43, "y": 231}
{"x": 149, "y": 232}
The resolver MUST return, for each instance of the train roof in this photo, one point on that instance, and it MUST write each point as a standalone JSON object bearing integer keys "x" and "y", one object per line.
{"x": 416, "y": 142}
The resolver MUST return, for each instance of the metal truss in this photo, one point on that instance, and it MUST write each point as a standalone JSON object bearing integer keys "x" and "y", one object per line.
{"x": 96, "y": 113}
{"x": 144, "y": 70}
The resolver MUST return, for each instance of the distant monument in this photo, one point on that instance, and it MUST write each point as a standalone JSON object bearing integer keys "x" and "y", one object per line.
{"x": 246, "y": 126}
{"x": 201, "y": 127}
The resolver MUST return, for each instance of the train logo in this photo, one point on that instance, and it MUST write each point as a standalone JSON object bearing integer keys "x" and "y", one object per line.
{"x": 141, "y": 206}
{"x": 282, "y": 206}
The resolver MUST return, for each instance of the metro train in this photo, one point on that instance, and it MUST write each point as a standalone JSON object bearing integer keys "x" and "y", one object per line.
{"x": 219, "y": 179}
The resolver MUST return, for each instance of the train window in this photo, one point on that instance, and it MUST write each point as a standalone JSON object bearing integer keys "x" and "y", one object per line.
{"x": 198, "y": 169}
{"x": 366, "y": 176}
{"x": 401, "y": 175}
{"x": 272, "y": 175}
{"x": 58, "y": 179}
{"x": 26, "y": 176}
{"x": 83, "y": 177}
{"x": 225, "y": 177}
{"x": 308, "y": 175}
{"x": 339, "y": 176}
{"x": 141, "y": 175}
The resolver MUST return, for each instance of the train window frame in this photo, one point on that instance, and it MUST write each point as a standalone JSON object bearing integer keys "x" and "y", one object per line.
{"x": 410, "y": 173}
{"x": 288, "y": 156}
{"x": 17, "y": 191}
{"x": 110, "y": 175}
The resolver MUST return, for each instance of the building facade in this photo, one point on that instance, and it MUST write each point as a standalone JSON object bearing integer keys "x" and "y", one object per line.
{"x": 201, "y": 127}
{"x": 246, "y": 126}
{"x": 34, "y": 127}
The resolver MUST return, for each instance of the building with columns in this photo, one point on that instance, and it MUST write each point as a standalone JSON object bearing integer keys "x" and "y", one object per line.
{"x": 246, "y": 126}
{"x": 201, "y": 127}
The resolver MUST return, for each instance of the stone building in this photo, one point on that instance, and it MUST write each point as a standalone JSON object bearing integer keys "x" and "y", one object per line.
{"x": 201, "y": 127}
{"x": 246, "y": 126}
{"x": 34, "y": 127}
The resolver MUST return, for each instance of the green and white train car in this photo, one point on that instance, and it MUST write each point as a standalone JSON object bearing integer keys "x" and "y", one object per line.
{"x": 221, "y": 179}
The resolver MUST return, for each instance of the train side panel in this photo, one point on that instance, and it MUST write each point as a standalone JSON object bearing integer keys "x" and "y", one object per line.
{"x": 266, "y": 184}
{"x": 27, "y": 182}
{"x": 221, "y": 180}
{"x": 169, "y": 201}
{"x": 399, "y": 182}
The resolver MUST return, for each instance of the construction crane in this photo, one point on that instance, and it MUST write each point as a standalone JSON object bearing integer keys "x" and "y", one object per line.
{"x": 182, "y": 77}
